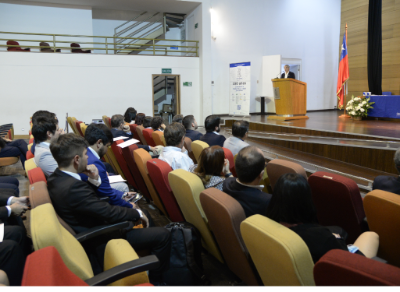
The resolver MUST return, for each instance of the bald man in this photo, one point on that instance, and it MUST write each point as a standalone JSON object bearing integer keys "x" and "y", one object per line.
{"x": 288, "y": 74}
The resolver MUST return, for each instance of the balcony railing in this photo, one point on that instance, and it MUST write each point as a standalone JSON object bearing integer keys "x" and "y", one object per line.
{"x": 100, "y": 44}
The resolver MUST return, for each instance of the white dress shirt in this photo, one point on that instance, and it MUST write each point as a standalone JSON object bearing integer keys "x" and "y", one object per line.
{"x": 234, "y": 144}
{"x": 176, "y": 158}
{"x": 75, "y": 175}
{"x": 286, "y": 74}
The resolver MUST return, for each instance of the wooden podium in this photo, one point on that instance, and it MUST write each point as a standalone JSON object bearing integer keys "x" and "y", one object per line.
{"x": 290, "y": 99}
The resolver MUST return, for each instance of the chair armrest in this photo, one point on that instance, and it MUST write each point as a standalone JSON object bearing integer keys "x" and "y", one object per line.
{"x": 101, "y": 230}
{"x": 133, "y": 267}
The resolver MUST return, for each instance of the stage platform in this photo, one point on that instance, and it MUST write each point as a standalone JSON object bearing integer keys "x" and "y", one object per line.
{"x": 327, "y": 122}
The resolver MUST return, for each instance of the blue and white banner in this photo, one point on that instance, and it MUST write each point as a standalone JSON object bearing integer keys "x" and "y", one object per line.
{"x": 239, "y": 91}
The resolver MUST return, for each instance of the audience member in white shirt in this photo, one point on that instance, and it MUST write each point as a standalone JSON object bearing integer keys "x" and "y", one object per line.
{"x": 240, "y": 131}
{"x": 174, "y": 153}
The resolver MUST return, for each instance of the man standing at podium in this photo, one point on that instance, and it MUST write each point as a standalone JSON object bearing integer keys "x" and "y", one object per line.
{"x": 287, "y": 73}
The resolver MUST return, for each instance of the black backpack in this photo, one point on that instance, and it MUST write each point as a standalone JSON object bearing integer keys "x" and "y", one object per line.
{"x": 186, "y": 265}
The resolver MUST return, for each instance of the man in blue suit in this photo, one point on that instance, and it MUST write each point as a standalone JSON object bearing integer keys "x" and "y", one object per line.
{"x": 190, "y": 124}
{"x": 119, "y": 129}
{"x": 212, "y": 137}
{"x": 389, "y": 183}
{"x": 99, "y": 138}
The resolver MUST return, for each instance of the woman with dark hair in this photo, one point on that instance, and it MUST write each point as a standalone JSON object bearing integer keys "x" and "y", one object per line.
{"x": 139, "y": 119}
{"x": 212, "y": 168}
{"x": 292, "y": 206}
{"x": 130, "y": 115}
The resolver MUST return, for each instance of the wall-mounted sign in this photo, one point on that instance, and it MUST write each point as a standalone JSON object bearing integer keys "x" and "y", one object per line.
{"x": 166, "y": 70}
{"x": 188, "y": 84}
{"x": 196, "y": 25}
{"x": 174, "y": 48}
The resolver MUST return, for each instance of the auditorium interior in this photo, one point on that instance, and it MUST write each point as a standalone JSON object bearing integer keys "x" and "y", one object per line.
{"x": 90, "y": 63}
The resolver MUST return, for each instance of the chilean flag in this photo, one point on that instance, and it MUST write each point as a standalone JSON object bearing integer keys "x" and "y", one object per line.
{"x": 343, "y": 74}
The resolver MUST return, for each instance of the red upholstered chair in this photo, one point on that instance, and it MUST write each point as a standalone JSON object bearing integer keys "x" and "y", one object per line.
{"x": 16, "y": 49}
{"x": 78, "y": 50}
{"x": 158, "y": 172}
{"x": 341, "y": 268}
{"x": 278, "y": 167}
{"x": 122, "y": 163}
{"x": 127, "y": 152}
{"x": 149, "y": 139}
{"x": 35, "y": 175}
{"x": 29, "y": 155}
{"x": 139, "y": 130}
{"x": 47, "y": 48}
{"x": 338, "y": 202}
{"x": 229, "y": 156}
{"x": 45, "y": 267}
{"x": 78, "y": 127}
{"x": 134, "y": 132}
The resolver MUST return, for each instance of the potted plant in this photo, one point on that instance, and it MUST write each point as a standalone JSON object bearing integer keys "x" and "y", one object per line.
{"x": 358, "y": 107}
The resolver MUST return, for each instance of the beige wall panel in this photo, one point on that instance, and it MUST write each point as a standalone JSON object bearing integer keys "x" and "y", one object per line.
{"x": 351, "y": 4}
{"x": 390, "y": 71}
{"x": 358, "y": 85}
{"x": 389, "y": 45}
{"x": 357, "y": 61}
{"x": 358, "y": 73}
{"x": 396, "y": 30}
{"x": 355, "y": 13}
{"x": 391, "y": 58}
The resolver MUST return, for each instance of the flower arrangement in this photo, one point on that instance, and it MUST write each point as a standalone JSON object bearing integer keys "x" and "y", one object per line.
{"x": 358, "y": 106}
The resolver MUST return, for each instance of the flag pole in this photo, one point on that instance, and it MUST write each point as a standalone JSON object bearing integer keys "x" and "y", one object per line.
{"x": 345, "y": 91}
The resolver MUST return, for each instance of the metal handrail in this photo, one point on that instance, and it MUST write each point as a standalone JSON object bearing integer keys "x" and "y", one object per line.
{"x": 151, "y": 42}
{"x": 136, "y": 17}
{"x": 134, "y": 25}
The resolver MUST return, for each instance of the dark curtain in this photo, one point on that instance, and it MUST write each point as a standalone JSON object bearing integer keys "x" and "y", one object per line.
{"x": 375, "y": 47}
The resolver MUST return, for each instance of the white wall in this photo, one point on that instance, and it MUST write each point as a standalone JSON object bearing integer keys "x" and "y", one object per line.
{"x": 308, "y": 30}
{"x": 48, "y": 20}
{"x": 86, "y": 86}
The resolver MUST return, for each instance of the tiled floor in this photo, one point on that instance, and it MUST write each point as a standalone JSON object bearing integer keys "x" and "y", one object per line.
{"x": 218, "y": 273}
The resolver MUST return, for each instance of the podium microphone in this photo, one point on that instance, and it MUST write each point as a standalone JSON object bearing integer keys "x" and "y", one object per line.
{"x": 278, "y": 76}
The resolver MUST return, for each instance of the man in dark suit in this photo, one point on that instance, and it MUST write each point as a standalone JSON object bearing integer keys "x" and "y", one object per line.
{"x": 119, "y": 129}
{"x": 288, "y": 74}
{"x": 190, "y": 124}
{"x": 212, "y": 137}
{"x": 78, "y": 205}
{"x": 246, "y": 188}
{"x": 389, "y": 183}
{"x": 14, "y": 245}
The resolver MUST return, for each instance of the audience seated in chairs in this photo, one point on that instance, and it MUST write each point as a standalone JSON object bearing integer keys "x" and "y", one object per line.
{"x": 177, "y": 119}
{"x": 389, "y": 183}
{"x": 14, "y": 48}
{"x": 45, "y": 131}
{"x": 14, "y": 246}
{"x": 292, "y": 206}
{"x": 118, "y": 129}
{"x": 240, "y": 131}
{"x": 130, "y": 115}
{"x": 37, "y": 114}
{"x": 246, "y": 188}
{"x": 139, "y": 119}
{"x": 99, "y": 138}
{"x": 212, "y": 137}
{"x": 147, "y": 122}
{"x": 190, "y": 124}
{"x": 213, "y": 167}
{"x": 78, "y": 205}
{"x": 174, "y": 153}
{"x": 13, "y": 148}
{"x": 157, "y": 124}
{"x": 78, "y": 50}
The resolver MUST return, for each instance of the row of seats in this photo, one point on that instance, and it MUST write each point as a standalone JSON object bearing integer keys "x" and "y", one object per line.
{"x": 15, "y": 47}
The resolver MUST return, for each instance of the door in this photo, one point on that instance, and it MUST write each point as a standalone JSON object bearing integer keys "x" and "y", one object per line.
{"x": 166, "y": 96}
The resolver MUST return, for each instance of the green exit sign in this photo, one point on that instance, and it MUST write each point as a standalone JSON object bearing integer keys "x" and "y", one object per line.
{"x": 188, "y": 84}
{"x": 166, "y": 70}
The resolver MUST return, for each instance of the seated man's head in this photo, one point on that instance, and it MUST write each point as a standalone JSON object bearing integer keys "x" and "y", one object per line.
{"x": 41, "y": 113}
{"x": 130, "y": 115}
{"x": 397, "y": 160}
{"x": 70, "y": 152}
{"x": 177, "y": 119}
{"x": 45, "y": 129}
{"x": 99, "y": 138}
{"x": 292, "y": 201}
{"x": 212, "y": 124}
{"x": 139, "y": 119}
{"x": 189, "y": 122}
{"x": 240, "y": 129}
{"x": 147, "y": 122}
{"x": 174, "y": 135}
{"x": 156, "y": 123}
{"x": 211, "y": 162}
{"x": 117, "y": 122}
{"x": 249, "y": 165}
